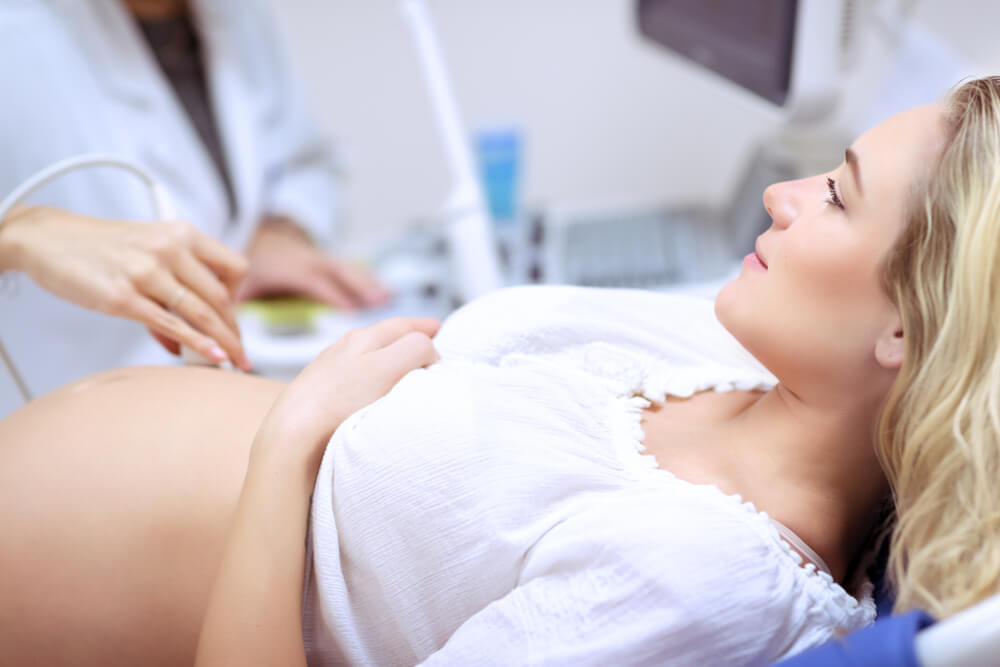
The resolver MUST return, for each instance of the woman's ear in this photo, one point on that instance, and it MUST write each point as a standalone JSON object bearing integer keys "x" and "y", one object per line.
{"x": 889, "y": 347}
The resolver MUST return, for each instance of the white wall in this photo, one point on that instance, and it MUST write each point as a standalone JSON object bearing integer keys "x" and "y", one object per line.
{"x": 606, "y": 116}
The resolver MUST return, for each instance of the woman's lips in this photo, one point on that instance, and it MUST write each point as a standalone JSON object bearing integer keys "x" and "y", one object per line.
{"x": 760, "y": 256}
{"x": 752, "y": 260}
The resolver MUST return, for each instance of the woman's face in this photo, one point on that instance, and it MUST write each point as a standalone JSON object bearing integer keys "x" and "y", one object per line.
{"x": 809, "y": 302}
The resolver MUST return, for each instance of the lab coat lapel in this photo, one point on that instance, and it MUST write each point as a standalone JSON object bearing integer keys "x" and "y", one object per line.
{"x": 234, "y": 104}
{"x": 167, "y": 143}
{"x": 113, "y": 42}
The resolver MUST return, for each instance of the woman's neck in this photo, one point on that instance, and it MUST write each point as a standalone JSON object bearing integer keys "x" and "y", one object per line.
{"x": 813, "y": 469}
{"x": 152, "y": 10}
{"x": 819, "y": 474}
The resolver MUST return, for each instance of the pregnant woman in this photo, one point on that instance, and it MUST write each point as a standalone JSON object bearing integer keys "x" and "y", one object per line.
{"x": 564, "y": 476}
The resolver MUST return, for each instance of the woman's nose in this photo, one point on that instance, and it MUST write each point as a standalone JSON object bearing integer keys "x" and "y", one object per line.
{"x": 781, "y": 202}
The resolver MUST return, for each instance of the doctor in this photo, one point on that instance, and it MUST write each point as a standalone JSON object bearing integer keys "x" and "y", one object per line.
{"x": 200, "y": 94}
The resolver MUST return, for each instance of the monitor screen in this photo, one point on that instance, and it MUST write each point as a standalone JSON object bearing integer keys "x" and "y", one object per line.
{"x": 749, "y": 42}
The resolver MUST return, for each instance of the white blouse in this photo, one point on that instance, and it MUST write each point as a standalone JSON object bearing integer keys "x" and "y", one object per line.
{"x": 497, "y": 509}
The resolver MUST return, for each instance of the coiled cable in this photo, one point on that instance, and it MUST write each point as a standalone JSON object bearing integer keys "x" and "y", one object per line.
{"x": 163, "y": 209}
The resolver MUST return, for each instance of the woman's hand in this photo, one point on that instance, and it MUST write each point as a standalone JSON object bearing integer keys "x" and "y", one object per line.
{"x": 353, "y": 372}
{"x": 167, "y": 275}
{"x": 254, "y": 614}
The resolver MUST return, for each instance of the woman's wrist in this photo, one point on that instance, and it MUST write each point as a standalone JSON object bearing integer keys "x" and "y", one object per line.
{"x": 288, "y": 438}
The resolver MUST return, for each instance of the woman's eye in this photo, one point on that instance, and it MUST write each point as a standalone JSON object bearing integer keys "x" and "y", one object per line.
{"x": 833, "y": 197}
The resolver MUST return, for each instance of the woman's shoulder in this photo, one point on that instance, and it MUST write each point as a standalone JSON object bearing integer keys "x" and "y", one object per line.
{"x": 707, "y": 562}
{"x": 705, "y": 532}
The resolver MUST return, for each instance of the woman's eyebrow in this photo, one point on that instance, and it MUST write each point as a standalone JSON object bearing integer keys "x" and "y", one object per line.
{"x": 852, "y": 161}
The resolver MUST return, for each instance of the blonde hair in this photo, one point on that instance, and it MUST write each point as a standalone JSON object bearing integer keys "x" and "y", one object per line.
{"x": 939, "y": 432}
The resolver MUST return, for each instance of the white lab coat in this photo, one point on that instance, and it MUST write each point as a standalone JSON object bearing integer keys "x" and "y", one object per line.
{"x": 77, "y": 76}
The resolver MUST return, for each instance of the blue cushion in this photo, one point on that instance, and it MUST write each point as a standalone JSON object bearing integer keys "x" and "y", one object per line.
{"x": 888, "y": 642}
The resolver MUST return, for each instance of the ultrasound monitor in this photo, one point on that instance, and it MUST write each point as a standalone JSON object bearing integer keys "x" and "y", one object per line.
{"x": 784, "y": 51}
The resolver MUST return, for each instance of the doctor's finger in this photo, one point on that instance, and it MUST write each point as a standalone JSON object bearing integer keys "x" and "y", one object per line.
{"x": 203, "y": 318}
{"x": 326, "y": 291}
{"x": 169, "y": 325}
{"x": 170, "y": 345}
{"x": 229, "y": 265}
{"x": 358, "y": 281}
{"x": 202, "y": 281}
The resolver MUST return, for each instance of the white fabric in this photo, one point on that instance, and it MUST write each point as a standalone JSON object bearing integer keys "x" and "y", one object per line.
{"x": 79, "y": 78}
{"x": 804, "y": 549}
{"x": 496, "y": 509}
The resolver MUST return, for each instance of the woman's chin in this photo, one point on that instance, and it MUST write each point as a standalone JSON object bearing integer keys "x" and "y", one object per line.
{"x": 735, "y": 309}
{"x": 726, "y": 299}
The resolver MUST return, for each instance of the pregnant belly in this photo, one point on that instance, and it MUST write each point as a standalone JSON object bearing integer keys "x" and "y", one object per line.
{"x": 116, "y": 493}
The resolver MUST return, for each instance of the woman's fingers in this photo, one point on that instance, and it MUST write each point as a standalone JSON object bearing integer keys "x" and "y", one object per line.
{"x": 362, "y": 367}
{"x": 413, "y": 350}
{"x": 386, "y": 332}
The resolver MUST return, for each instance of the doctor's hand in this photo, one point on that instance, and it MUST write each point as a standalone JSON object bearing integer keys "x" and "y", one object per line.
{"x": 166, "y": 275}
{"x": 283, "y": 261}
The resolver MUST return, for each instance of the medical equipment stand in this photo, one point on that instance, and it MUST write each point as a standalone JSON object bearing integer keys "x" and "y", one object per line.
{"x": 470, "y": 236}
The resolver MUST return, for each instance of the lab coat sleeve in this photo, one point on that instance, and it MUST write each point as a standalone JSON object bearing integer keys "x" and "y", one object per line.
{"x": 301, "y": 166}
{"x": 40, "y": 94}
